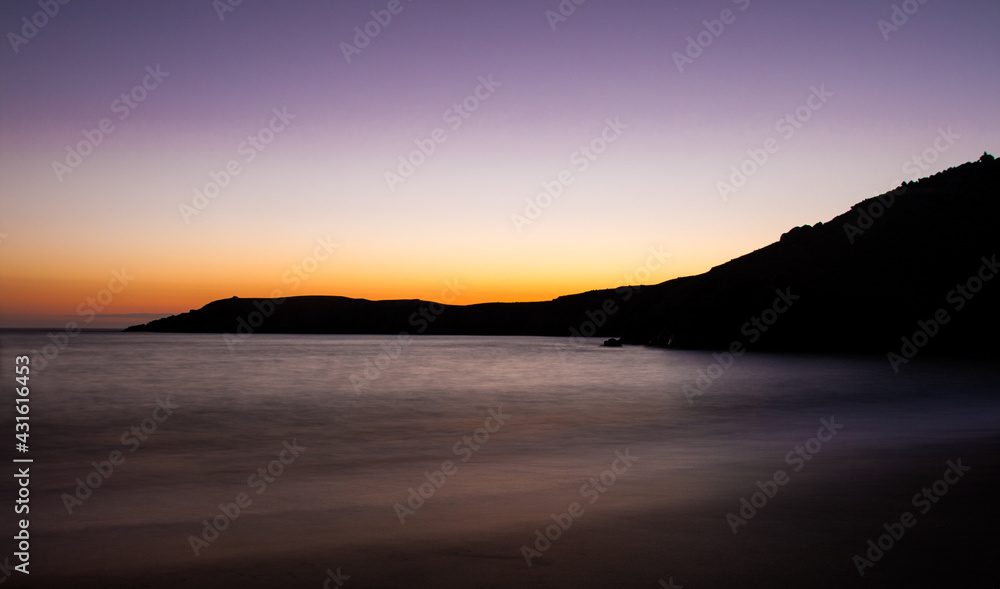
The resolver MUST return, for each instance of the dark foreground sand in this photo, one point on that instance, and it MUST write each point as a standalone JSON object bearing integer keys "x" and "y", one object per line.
{"x": 804, "y": 537}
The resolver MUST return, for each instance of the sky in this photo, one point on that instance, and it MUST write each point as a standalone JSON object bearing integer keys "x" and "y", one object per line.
{"x": 156, "y": 156}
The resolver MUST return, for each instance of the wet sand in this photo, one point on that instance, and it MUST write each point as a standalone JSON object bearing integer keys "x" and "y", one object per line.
{"x": 638, "y": 532}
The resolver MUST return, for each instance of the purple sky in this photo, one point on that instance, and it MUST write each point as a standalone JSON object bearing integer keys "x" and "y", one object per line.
{"x": 889, "y": 95}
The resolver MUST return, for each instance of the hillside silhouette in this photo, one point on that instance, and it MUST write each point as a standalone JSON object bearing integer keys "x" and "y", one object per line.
{"x": 917, "y": 260}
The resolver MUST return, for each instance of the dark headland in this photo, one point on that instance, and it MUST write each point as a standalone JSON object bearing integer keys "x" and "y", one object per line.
{"x": 916, "y": 260}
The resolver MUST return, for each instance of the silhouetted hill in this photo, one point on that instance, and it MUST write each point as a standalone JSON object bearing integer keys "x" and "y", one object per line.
{"x": 864, "y": 279}
{"x": 328, "y": 314}
{"x": 856, "y": 283}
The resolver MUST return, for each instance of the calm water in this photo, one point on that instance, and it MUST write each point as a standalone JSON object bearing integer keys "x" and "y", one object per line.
{"x": 567, "y": 410}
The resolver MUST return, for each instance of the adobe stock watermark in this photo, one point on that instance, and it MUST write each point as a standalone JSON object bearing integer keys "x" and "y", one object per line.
{"x": 868, "y": 214}
{"x": 923, "y": 500}
{"x": 592, "y": 491}
{"x": 465, "y": 447}
{"x": 564, "y": 10}
{"x": 365, "y": 34}
{"x": 900, "y": 16}
{"x": 796, "y": 458}
{"x": 223, "y": 7}
{"x": 625, "y": 289}
{"x": 132, "y": 438}
{"x": 88, "y": 309}
{"x": 337, "y": 578}
{"x": 259, "y": 480}
{"x": 753, "y": 330}
{"x": 123, "y": 106}
{"x": 30, "y": 27}
{"x": 454, "y": 118}
{"x": 959, "y": 296}
{"x": 294, "y": 277}
{"x": 786, "y": 127}
{"x": 713, "y": 30}
{"x": 921, "y": 163}
{"x": 250, "y": 148}
{"x": 913, "y": 167}
{"x": 6, "y": 569}
{"x": 581, "y": 160}
{"x": 421, "y": 320}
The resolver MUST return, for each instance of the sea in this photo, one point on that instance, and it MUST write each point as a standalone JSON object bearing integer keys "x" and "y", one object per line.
{"x": 297, "y": 460}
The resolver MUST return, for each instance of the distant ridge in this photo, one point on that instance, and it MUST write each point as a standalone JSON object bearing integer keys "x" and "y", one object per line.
{"x": 860, "y": 282}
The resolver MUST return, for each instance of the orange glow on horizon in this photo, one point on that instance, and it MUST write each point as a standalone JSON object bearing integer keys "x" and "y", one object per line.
{"x": 47, "y": 283}
{"x": 52, "y": 302}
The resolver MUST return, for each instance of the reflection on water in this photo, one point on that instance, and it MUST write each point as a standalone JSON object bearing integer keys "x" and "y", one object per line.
{"x": 195, "y": 422}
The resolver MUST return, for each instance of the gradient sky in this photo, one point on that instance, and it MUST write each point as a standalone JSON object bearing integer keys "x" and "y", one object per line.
{"x": 323, "y": 177}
